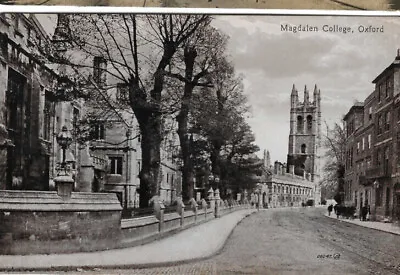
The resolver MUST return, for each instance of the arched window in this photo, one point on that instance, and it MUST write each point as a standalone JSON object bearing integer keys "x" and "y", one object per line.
{"x": 309, "y": 123}
{"x": 300, "y": 125}
{"x": 303, "y": 148}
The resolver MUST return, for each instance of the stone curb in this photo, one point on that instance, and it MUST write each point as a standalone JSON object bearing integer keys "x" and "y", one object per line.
{"x": 212, "y": 253}
{"x": 365, "y": 226}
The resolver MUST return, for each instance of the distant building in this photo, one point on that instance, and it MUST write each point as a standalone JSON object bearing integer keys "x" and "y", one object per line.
{"x": 281, "y": 189}
{"x": 296, "y": 182}
{"x": 305, "y": 135}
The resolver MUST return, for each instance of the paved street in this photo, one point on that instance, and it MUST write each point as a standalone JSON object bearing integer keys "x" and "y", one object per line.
{"x": 298, "y": 241}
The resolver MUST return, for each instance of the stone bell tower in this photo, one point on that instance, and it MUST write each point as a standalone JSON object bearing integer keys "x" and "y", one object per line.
{"x": 305, "y": 134}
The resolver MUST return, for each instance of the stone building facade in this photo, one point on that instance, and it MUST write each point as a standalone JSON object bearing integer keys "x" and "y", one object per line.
{"x": 372, "y": 147}
{"x": 27, "y": 104}
{"x": 277, "y": 188}
{"x": 305, "y": 134}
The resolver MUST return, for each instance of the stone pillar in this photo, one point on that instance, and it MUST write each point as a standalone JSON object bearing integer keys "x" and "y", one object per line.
{"x": 211, "y": 199}
{"x": 64, "y": 185}
{"x": 86, "y": 174}
{"x": 217, "y": 203}
{"x": 204, "y": 205}
{"x": 194, "y": 206}
{"x": 159, "y": 208}
{"x": 180, "y": 208}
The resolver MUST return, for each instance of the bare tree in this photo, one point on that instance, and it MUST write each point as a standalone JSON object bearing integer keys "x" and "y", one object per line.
{"x": 136, "y": 51}
{"x": 334, "y": 142}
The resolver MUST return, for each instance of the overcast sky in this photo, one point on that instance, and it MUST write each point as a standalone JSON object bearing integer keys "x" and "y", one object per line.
{"x": 342, "y": 66}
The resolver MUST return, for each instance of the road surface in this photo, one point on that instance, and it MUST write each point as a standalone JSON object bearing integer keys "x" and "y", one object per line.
{"x": 294, "y": 241}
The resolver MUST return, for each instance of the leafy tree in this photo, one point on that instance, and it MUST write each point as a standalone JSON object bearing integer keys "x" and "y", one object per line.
{"x": 199, "y": 59}
{"x": 220, "y": 121}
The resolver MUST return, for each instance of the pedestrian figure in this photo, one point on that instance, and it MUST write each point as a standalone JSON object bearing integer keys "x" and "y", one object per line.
{"x": 330, "y": 207}
{"x": 364, "y": 212}
{"x": 336, "y": 209}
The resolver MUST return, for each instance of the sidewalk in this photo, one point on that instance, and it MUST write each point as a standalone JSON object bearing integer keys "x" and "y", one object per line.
{"x": 386, "y": 227}
{"x": 197, "y": 242}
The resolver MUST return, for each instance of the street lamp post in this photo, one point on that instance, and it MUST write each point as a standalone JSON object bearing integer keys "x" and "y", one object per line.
{"x": 64, "y": 181}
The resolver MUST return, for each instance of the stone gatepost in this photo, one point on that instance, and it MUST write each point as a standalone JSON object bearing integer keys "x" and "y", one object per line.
{"x": 180, "y": 208}
{"x": 64, "y": 184}
{"x": 193, "y": 205}
{"x": 211, "y": 199}
{"x": 86, "y": 172}
{"x": 204, "y": 205}
{"x": 159, "y": 207}
{"x": 217, "y": 203}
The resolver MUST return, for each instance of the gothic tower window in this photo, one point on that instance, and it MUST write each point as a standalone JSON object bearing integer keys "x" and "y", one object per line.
{"x": 300, "y": 125}
{"x": 309, "y": 123}
{"x": 303, "y": 148}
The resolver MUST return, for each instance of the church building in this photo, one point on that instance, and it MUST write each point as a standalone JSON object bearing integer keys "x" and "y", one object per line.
{"x": 305, "y": 135}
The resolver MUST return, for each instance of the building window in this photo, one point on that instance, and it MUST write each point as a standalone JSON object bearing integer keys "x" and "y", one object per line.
{"x": 387, "y": 121}
{"x": 351, "y": 157}
{"x": 16, "y": 21}
{"x": 97, "y": 131}
{"x": 138, "y": 166}
{"x": 380, "y": 92}
{"x": 388, "y": 86}
{"x": 116, "y": 165}
{"x": 378, "y": 157}
{"x": 358, "y": 147}
{"x": 303, "y": 148}
{"x": 122, "y": 93}
{"x": 370, "y": 113}
{"x": 378, "y": 194}
{"x": 369, "y": 141}
{"x": 380, "y": 124}
{"x": 363, "y": 144}
{"x": 99, "y": 70}
{"x": 48, "y": 112}
{"x": 300, "y": 125}
{"x": 309, "y": 123}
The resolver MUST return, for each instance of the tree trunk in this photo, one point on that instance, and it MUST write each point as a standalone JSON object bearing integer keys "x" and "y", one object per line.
{"x": 190, "y": 55}
{"x": 148, "y": 114}
{"x": 149, "y": 174}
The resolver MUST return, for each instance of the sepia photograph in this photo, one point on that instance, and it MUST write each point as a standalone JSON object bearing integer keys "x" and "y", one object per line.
{"x": 247, "y": 4}
{"x": 159, "y": 143}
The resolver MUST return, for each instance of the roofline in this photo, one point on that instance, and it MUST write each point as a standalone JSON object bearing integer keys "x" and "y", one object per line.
{"x": 391, "y": 66}
{"x": 352, "y": 109}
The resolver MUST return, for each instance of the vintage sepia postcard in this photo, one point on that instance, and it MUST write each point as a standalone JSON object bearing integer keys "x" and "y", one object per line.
{"x": 148, "y": 142}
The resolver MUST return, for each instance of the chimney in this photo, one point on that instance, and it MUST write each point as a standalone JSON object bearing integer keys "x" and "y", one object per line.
{"x": 291, "y": 169}
{"x": 276, "y": 168}
{"x": 283, "y": 169}
{"x": 398, "y": 54}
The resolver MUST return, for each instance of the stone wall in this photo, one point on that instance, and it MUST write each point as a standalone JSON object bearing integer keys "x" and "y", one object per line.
{"x": 41, "y": 222}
